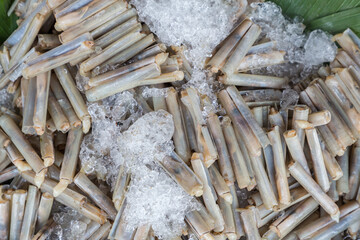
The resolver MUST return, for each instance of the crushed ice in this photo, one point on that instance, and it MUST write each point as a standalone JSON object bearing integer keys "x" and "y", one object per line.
{"x": 148, "y": 139}
{"x": 70, "y": 225}
{"x": 148, "y": 92}
{"x": 199, "y": 25}
{"x": 99, "y": 149}
{"x": 153, "y": 197}
{"x": 304, "y": 52}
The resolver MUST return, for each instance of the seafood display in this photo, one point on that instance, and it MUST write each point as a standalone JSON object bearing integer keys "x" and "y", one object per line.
{"x": 111, "y": 129}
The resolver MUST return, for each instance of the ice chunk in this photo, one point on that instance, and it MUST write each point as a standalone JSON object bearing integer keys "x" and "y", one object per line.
{"x": 289, "y": 98}
{"x": 319, "y": 48}
{"x": 148, "y": 92}
{"x": 71, "y": 225}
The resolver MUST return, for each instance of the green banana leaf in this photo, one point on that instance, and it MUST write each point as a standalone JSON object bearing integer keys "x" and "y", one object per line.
{"x": 7, "y": 24}
{"x": 338, "y": 22}
{"x": 333, "y": 16}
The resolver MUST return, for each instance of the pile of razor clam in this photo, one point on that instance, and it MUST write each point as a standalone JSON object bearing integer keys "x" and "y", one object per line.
{"x": 174, "y": 163}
